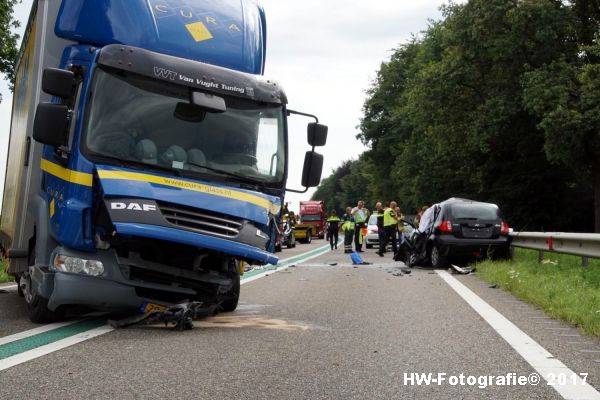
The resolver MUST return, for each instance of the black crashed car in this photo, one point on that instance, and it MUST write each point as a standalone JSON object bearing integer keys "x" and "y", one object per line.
{"x": 458, "y": 230}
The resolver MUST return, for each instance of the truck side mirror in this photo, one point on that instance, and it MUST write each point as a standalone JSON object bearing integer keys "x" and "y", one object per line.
{"x": 51, "y": 124}
{"x": 313, "y": 167}
{"x": 59, "y": 82}
{"x": 317, "y": 134}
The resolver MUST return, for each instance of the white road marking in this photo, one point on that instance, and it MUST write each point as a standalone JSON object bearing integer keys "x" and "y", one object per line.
{"x": 52, "y": 347}
{"x": 287, "y": 264}
{"x": 537, "y": 356}
{"x": 9, "y": 288}
{"x": 34, "y": 331}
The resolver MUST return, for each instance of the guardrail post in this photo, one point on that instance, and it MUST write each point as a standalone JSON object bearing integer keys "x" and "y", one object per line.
{"x": 585, "y": 262}
{"x": 540, "y": 256}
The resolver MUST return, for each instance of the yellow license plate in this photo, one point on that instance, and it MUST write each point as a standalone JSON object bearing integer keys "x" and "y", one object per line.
{"x": 151, "y": 307}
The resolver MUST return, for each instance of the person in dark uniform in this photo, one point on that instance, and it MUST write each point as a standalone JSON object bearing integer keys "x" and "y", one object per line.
{"x": 380, "y": 227}
{"x": 348, "y": 228}
{"x": 333, "y": 228}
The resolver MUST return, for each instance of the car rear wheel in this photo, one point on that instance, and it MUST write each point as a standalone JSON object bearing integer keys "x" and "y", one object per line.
{"x": 437, "y": 260}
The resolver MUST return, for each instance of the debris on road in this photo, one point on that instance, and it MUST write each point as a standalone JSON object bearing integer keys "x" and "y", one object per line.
{"x": 493, "y": 286}
{"x": 460, "y": 270}
{"x": 181, "y": 315}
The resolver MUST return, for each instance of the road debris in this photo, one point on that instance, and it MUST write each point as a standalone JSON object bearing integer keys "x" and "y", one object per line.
{"x": 181, "y": 315}
{"x": 460, "y": 270}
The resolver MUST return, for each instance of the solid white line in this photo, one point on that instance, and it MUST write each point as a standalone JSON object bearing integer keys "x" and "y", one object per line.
{"x": 52, "y": 347}
{"x": 34, "y": 331}
{"x": 284, "y": 262}
{"x": 9, "y": 287}
{"x": 537, "y": 356}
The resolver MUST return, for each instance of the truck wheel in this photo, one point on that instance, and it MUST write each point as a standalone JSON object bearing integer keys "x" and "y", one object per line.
{"x": 308, "y": 237}
{"x": 37, "y": 306}
{"x": 437, "y": 260}
{"x": 233, "y": 296}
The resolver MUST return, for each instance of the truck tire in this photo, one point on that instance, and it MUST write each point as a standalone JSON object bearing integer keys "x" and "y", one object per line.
{"x": 37, "y": 306}
{"x": 308, "y": 237}
{"x": 233, "y": 296}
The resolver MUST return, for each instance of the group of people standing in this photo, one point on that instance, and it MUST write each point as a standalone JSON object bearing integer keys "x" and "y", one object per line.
{"x": 390, "y": 223}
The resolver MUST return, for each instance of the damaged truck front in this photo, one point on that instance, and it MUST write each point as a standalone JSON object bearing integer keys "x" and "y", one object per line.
{"x": 148, "y": 155}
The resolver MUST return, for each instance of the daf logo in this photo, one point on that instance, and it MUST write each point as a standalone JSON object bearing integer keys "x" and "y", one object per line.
{"x": 132, "y": 206}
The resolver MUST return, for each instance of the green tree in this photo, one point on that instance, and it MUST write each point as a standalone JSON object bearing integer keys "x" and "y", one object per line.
{"x": 8, "y": 40}
{"x": 446, "y": 115}
{"x": 565, "y": 96}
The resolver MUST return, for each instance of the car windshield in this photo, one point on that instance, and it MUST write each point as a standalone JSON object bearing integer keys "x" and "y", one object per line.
{"x": 132, "y": 118}
{"x": 475, "y": 211}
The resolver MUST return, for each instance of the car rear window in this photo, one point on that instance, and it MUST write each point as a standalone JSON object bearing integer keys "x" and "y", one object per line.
{"x": 475, "y": 211}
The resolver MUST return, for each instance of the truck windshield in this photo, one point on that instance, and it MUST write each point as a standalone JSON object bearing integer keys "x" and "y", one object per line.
{"x": 132, "y": 118}
{"x": 310, "y": 217}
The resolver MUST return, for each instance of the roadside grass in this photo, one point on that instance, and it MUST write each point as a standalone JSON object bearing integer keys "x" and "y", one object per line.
{"x": 4, "y": 277}
{"x": 559, "y": 285}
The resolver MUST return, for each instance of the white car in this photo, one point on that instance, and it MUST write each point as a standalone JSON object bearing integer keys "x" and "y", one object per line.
{"x": 372, "y": 238}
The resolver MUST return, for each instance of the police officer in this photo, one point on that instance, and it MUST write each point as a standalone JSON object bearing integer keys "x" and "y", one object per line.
{"x": 333, "y": 227}
{"x": 381, "y": 233}
{"x": 390, "y": 223}
{"x": 361, "y": 215}
{"x": 348, "y": 228}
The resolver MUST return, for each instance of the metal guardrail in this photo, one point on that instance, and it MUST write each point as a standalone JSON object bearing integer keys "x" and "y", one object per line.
{"x": 585, "y": 245}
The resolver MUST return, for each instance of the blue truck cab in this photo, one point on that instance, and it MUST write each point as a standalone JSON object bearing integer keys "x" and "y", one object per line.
{"x": 148, "y": 154}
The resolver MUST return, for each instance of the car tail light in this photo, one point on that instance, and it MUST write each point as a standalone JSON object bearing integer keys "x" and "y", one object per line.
{"x": 504, "y": 228}
{"x": 445, "y": 226}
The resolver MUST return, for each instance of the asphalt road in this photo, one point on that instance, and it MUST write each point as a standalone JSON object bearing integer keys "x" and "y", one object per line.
{"x": 312, "y": 331}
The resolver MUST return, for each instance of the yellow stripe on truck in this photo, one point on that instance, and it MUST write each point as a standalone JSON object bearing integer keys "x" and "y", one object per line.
{"x": 193, "y": 186}
{"x": 80, "y": 178}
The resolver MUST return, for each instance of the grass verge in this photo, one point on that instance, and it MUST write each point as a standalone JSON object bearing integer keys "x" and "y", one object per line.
{"x": 559, "y": 285}
{"x": 4, "y": 277}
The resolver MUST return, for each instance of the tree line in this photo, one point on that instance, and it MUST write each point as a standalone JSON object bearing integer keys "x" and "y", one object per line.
{"x": 498, "y": 101}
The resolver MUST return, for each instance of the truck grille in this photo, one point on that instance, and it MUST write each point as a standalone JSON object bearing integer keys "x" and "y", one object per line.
{"x": 202, "y": 222}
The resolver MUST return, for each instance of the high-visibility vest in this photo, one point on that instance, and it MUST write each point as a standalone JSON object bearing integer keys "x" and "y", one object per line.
{"x": 360, "y": 215}
{"x": 333, "y": 219}
{"x": 348, "y": 224}
{"x": 389, "y": 217}
{"x": 401, "y": 223}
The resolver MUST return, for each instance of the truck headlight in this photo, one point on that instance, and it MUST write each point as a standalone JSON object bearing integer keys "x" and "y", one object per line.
{"x": 76, "y": 265}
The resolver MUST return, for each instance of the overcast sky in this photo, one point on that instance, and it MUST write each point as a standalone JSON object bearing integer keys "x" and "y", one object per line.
{"x": 325, "y": 53}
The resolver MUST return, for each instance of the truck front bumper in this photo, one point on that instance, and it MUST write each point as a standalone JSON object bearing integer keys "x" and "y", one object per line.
{"x": 112, "y": 291}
